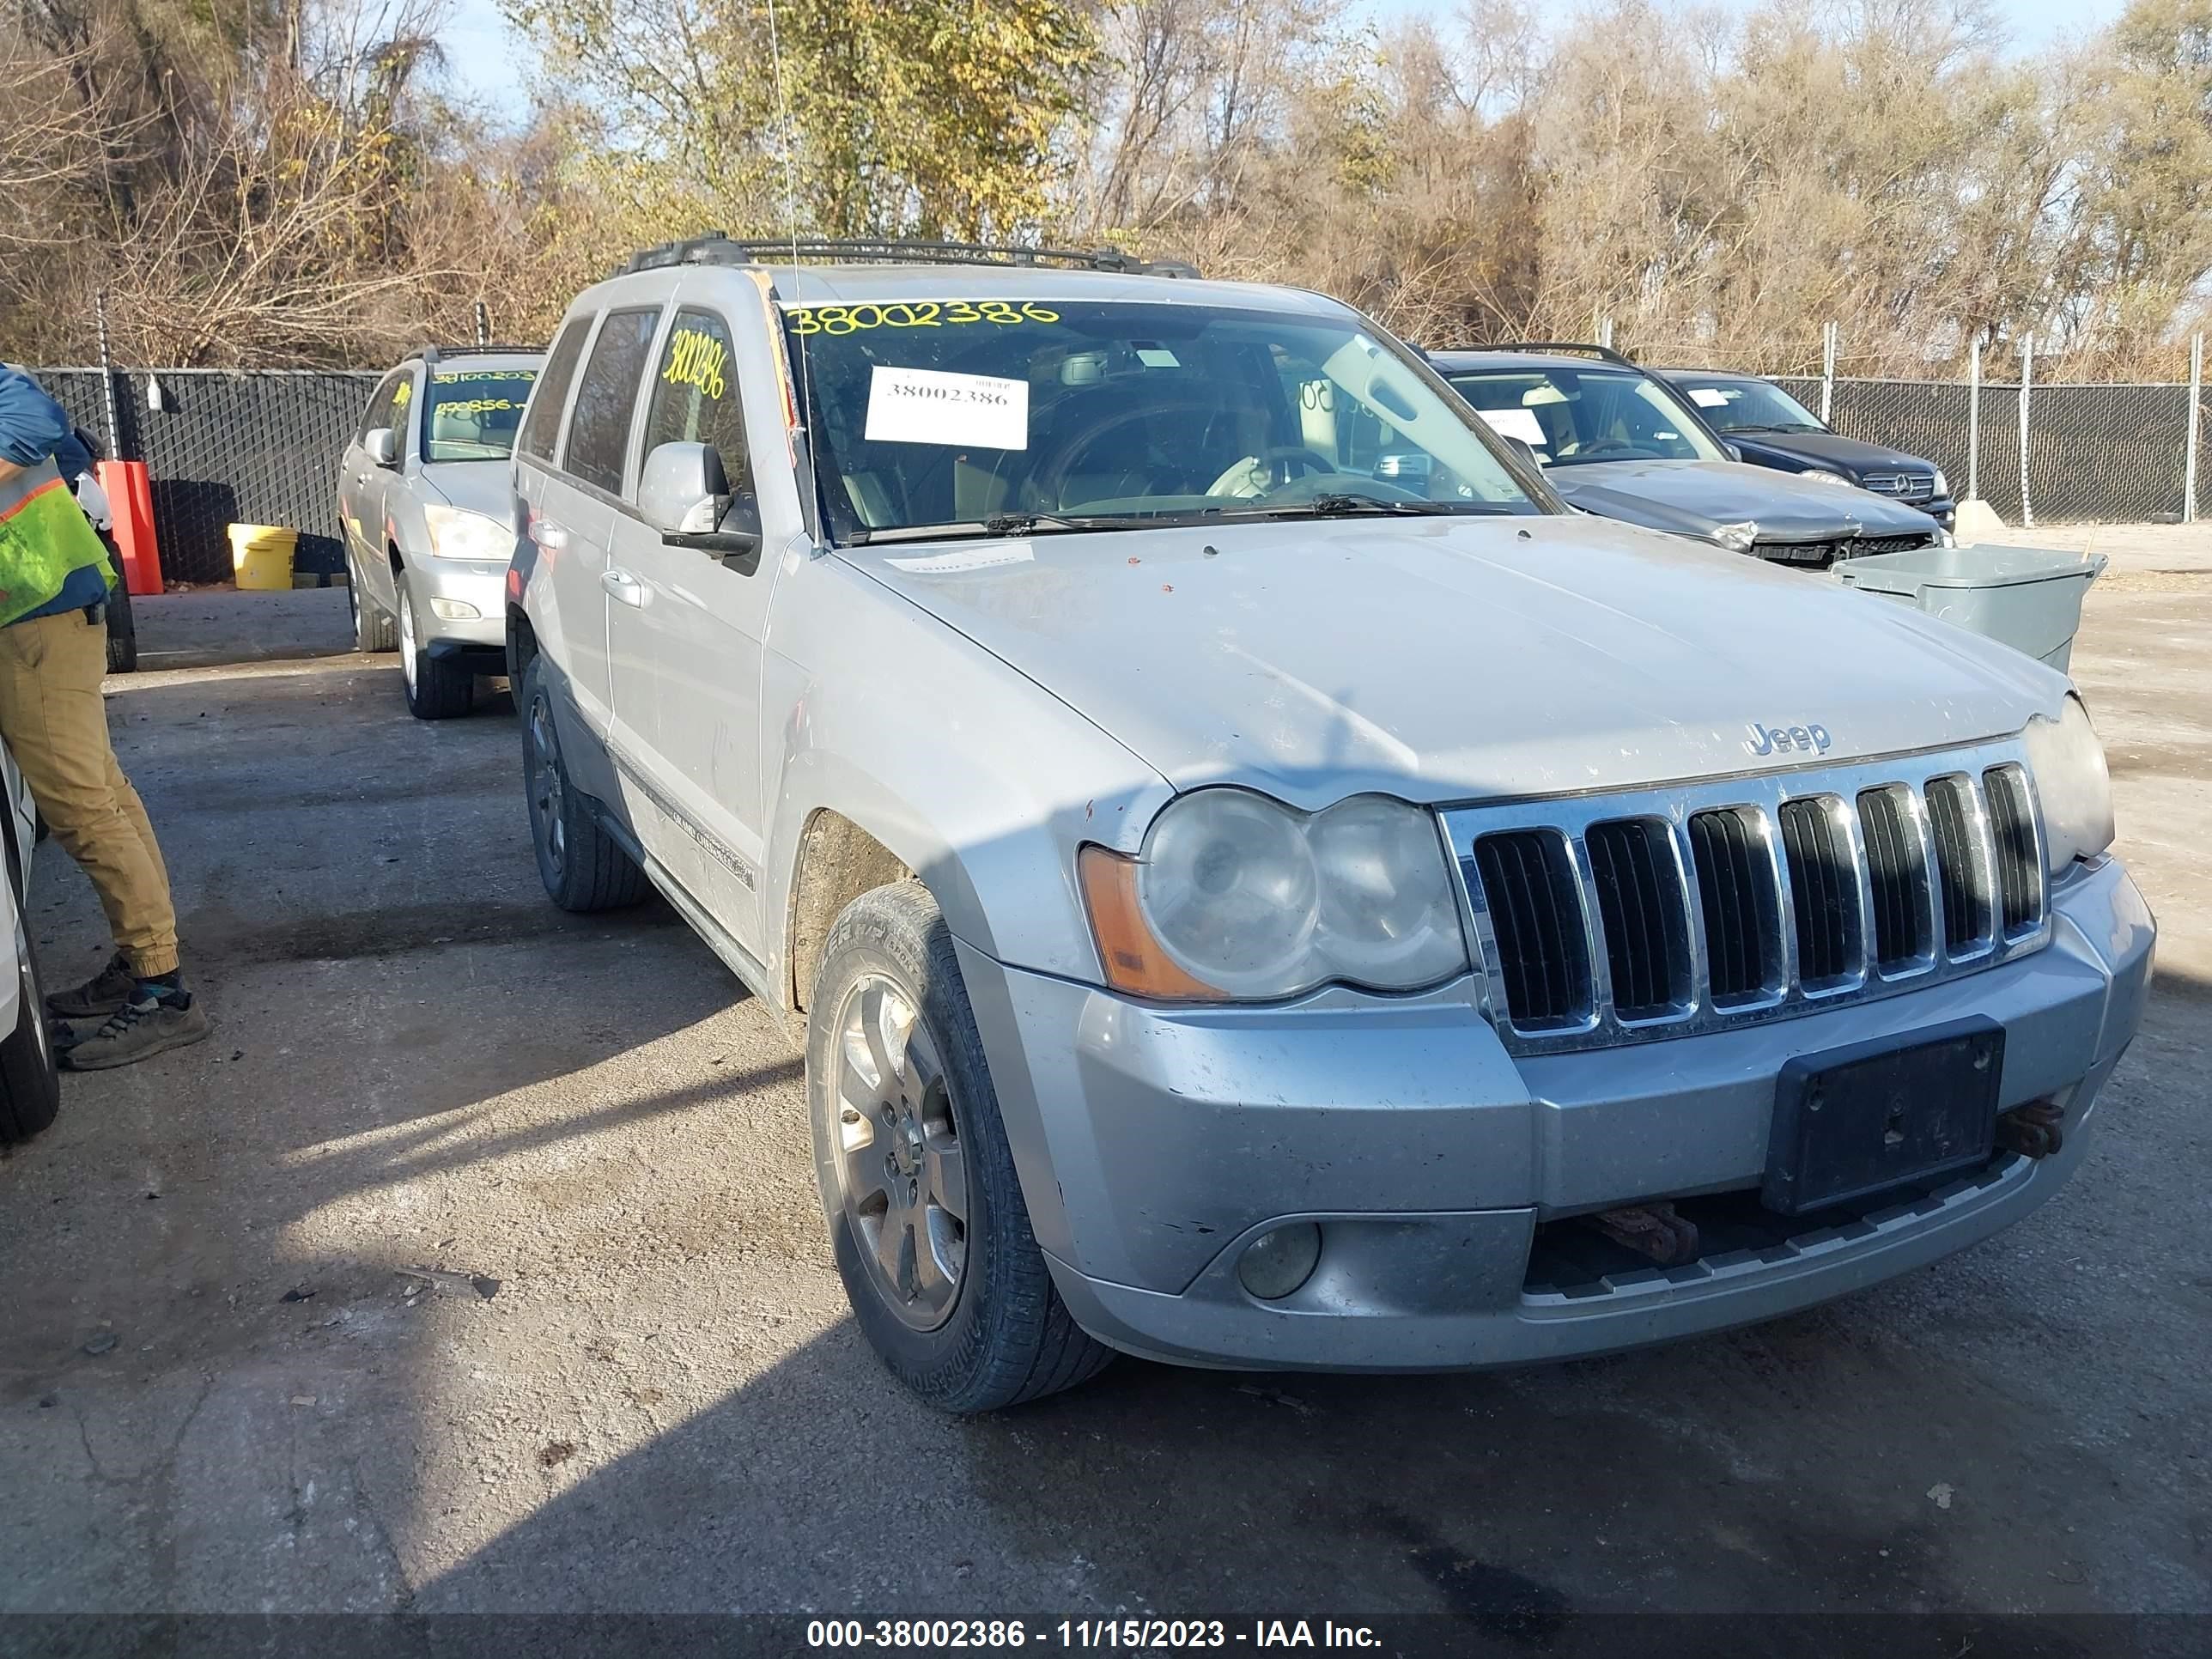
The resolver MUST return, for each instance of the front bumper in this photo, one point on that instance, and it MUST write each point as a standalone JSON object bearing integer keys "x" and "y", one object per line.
{"x": 478, "y": 586}
{"x": 1153, "y": 1143}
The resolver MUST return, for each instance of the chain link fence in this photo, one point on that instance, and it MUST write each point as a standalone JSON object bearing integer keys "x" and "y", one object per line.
{"x": 261, "y": 446}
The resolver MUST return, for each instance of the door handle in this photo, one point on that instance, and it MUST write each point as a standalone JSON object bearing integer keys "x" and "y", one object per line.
{"x": 548, "y": 534}
{"x": 621, "y": 585}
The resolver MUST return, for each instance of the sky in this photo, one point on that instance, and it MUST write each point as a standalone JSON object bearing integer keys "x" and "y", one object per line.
{"x": 492, "y": 64}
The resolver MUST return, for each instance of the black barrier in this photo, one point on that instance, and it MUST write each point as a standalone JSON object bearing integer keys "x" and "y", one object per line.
{"x": 257, "y": 448}
{"x": 261, "y": 446}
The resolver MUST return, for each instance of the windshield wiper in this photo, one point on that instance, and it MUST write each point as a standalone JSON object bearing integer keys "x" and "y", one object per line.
{"x": 1344, "y": 505}
{"x": 1000, "y": 525}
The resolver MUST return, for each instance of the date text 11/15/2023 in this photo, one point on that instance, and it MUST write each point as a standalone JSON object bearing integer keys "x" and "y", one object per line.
{"x": 941, "y": 1634}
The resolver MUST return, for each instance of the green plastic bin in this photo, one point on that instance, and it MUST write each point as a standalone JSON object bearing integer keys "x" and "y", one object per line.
{"x": 2029, "y": 597}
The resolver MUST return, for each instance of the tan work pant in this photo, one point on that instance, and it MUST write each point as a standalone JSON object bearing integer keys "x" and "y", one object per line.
{"x": 55, "y": 722}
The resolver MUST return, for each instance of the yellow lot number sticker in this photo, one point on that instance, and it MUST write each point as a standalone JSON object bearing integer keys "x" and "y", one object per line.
{"x": 697, "y": 358}
{"x": 922, "y": 313}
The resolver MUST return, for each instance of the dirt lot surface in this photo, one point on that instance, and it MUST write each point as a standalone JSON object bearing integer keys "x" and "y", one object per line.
{"x": 476, "y": 1265}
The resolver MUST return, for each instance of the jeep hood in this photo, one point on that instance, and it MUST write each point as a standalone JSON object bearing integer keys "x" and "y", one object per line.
{"x": 1691, "y": 497}
{"x": 1456, "y": 658}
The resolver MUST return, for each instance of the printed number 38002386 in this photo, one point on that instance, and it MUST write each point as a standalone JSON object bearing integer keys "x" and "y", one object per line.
{"x": 922, "y": 313}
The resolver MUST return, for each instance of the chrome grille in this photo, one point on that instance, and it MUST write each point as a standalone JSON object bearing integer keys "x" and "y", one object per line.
{"x": 1904, "y": 486}
{"x": 1868, "y": 546}
{"x": 1615, "y": 918}
{"x": 1536, "y": 915}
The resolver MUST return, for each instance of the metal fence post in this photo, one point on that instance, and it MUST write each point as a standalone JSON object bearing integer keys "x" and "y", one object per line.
{"x": 2027, "y": 384}
{"x": 1605, "y": 332}
{"x": 484, "y": 323}
{"x": 1974, "y": 421}
{"x": 2195, "y": 403}
{"x": 107, "y": 376}
{"x": 1827, "y": 370}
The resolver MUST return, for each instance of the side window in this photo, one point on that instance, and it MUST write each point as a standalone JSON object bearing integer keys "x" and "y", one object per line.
{"x": 695, "y": 395}
{"x": 542, "y": 424}
{"x": 598, "y": 432}
{"x": 401, "y": 419}
{"x": 379, "y": 412}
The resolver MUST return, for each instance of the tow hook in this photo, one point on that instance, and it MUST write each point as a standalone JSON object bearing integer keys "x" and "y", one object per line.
{"x": 1652, "y": 1229}
{"x": 2032, "y": 1130}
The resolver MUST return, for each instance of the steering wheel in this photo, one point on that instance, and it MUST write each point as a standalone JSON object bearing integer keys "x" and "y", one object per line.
{"x": 1046, "y": 484}
{"x": 1278, "y": 461}
{"x": 1606, "y": 446}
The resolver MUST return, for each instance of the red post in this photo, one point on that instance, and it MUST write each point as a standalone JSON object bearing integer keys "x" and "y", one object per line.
{"x": 130, "y": 501}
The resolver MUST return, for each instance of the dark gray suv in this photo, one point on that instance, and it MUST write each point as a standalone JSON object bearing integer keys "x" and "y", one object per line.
{"x": 1619, "y": 442}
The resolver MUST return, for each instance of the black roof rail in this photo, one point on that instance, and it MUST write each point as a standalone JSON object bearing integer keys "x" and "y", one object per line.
{"x": 429, "y": 351}
{"x": 713, "y": 248}
{"x": 716, "y": 248}
{"x": 1603, "y": 351}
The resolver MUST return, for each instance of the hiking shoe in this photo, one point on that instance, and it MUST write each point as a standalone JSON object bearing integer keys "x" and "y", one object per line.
{"x": 107, "y": 991}
{"x": 155, "y": 1021}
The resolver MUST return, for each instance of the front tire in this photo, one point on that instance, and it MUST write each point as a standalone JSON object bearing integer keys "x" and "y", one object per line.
{"x": 583, "y": 867}
{"x": 371, "y": 627}
{"x": 925, "y": 1211}
{"x": 30, "y": 1079}
{"x": 438, "y": 689}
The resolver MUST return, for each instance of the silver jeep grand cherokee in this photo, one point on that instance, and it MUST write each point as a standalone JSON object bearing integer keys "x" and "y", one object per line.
{"x": 1251, "y": 902}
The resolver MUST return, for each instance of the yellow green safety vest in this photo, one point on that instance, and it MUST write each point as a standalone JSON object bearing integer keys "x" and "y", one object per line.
{"x": 44, "y": 536}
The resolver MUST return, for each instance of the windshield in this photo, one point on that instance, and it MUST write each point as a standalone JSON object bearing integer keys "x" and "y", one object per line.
{"x": 1570, "y": 416}
{"x": 473, "y": 413}
{"x": 985, "y": 415}
{"x": 1749, "y": 406}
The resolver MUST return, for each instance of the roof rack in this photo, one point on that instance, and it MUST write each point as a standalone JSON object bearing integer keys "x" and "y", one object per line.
{"x": 1605, "y": 352}
{"x": 429, "y": 352}
{"x": 716, "y": 248}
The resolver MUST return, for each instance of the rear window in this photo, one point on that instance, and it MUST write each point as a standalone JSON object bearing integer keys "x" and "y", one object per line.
{"x": 598, "y": 432}
{"x": 472, "y": 413}
{"x": 543, "y": 424}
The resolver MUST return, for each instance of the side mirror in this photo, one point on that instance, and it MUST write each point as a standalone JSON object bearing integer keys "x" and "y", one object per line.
{"x": 1735, "y": 451}
{"x": 684, "y": 494}
{"x": 383, "y": 447}
{"x": 1524, "y": 449}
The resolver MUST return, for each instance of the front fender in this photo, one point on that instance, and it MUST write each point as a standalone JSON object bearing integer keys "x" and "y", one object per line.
{"x": 976, "y": 778}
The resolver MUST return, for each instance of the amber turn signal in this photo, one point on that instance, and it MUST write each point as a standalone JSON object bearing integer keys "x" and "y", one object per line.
{"x": 1135, "y": 961}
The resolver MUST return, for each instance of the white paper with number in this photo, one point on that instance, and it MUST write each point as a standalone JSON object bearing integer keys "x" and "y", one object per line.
{"x": 1520, "y": 423}
{"x": 929, "y": 406}
{"x": 1708, "y": 397}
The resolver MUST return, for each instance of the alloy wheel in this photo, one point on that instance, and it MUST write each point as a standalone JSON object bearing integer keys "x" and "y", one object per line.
{"x": 547, "y": 797}
{"x": 407, "y": 638}
{"x": 30, "y": 998}
{"x": 900, "y": 1163}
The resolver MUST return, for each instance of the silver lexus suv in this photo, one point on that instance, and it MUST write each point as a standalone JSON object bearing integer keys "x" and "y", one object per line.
{"x": 423, "y": 499}
{"x": 1250, "y": 901}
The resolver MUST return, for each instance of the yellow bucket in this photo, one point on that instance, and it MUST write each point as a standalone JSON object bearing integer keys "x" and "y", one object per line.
{"x": 261, "y": 554}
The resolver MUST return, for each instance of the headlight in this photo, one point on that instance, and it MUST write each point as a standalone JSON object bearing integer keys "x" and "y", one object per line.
{"x": 456, "y": 533}
{"x": 1942, "y": 484}
{"x": 1737, "y": 538}
{"x": 1821, "y": 475}
{"x": 2072, "y": 785}
{"x": 1236, "y": 897}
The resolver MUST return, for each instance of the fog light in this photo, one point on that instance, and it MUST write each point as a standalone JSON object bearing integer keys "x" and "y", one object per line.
{"x": 455, "y": 610}
{"x": 1279, "y": 1260}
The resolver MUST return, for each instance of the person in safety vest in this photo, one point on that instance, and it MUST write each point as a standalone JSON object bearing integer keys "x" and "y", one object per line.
{"x": 53, "y": 651}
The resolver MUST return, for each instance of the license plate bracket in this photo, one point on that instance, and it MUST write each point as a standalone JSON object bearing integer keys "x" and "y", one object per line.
{"x": 1850, "y": 1123}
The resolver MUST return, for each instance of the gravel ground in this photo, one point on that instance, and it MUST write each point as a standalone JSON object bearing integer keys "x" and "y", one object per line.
{"x": 476, "y": 1266}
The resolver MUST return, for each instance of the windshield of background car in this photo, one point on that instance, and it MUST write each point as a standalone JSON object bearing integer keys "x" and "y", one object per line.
{"x": 472, "y": 413}
{"x": 1573, "y": 415}
{"x": 1749, "y": 406}
{"x": 959, "y": 412}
